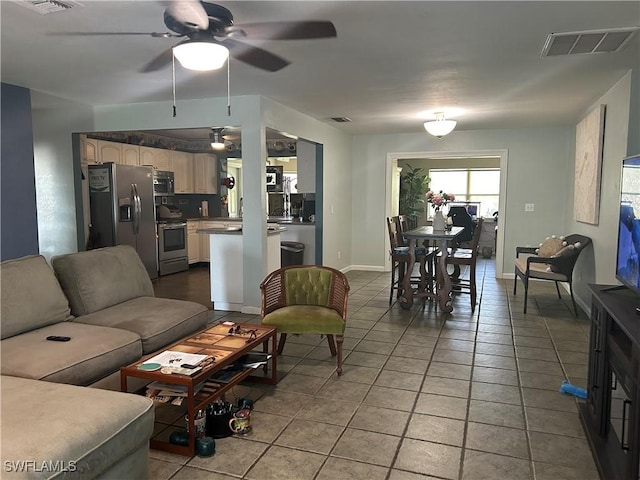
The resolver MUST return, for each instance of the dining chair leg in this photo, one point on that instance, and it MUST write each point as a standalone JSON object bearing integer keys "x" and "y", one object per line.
{"x": 472, "y": 286}
{"x": 558, "y": 290}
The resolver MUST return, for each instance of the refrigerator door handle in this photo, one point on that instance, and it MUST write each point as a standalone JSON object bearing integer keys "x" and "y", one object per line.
{"x": 137, "y": 210}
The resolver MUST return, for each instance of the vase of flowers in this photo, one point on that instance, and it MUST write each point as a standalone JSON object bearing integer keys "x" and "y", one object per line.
{"x": 439, "y": 201}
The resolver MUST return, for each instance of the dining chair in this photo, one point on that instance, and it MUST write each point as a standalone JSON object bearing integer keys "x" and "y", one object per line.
{"x": 460, "y": 257}
{"x": 400, "y": 258}
{"x": 429, "y": 249}
{"x": 306, "y": 299}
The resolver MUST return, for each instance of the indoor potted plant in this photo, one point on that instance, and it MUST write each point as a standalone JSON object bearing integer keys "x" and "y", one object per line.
{"x": 413, "y": 185}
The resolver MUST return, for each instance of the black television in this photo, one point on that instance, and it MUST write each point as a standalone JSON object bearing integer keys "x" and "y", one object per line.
{"x": 628, "y": 254}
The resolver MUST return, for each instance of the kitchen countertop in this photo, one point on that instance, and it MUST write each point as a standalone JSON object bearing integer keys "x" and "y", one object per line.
{"x": 235, "y": 231}
{"x": 281, "y": 220}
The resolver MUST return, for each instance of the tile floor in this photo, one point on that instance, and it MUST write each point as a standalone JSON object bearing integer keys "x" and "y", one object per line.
{"x": 465, "y": 396}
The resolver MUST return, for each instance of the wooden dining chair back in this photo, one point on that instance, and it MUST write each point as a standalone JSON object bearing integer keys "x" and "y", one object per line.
{"x": 306, "y": 299}
{"x": 466, "y": 257}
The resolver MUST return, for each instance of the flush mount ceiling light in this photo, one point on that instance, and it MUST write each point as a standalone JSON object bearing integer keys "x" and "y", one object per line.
{"x": 201, "y": 56}
{"x": 440, "y": 127}
{"x": 217, "y": 142}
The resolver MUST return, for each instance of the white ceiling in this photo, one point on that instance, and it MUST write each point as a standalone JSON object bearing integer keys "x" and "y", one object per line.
{"x": 390, "y": 61}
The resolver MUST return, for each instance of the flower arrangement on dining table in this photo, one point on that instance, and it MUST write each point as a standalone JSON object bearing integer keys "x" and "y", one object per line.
{"x": 439, "y": 199}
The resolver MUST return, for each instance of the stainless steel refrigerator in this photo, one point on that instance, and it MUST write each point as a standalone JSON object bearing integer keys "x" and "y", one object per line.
{"x": 123, "y": 210}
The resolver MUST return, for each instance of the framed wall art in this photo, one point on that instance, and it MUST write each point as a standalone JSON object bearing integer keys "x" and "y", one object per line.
{"x": 588, "y": 166}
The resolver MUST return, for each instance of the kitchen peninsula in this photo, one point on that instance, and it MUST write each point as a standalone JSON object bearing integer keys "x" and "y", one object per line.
{"x": 225, "y": 257}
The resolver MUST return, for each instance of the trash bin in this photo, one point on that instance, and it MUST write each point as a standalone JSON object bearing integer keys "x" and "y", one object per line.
{"x": 291, "y": 253}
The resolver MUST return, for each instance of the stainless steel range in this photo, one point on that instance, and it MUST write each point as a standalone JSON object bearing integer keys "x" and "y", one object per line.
{"x": 172, "y": 246}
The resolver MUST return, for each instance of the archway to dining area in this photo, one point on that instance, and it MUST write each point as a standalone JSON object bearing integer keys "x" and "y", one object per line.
{"x": 392, "y": 177}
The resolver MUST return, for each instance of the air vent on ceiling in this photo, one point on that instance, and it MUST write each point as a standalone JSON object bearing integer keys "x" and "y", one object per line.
{"x": 589, "y": 41}
{"x": 341, "y": 119}
{"x": 48, "y": 6}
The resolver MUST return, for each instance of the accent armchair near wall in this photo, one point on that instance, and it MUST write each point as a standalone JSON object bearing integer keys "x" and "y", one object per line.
{"x": 553, "y": 260}
{"x": 304, "y": 299}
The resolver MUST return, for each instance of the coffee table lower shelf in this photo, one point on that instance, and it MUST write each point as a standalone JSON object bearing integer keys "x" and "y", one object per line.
{"x": 201, "y": 400}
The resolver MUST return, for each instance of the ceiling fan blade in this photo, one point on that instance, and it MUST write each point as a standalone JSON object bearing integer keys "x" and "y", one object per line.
{"x": 185, "y": 16}
{"x": 97, "y": 34}
{"x": 285, "y": 30}
{"x": 159, "y": 62}
{"x": 254, "y": 56}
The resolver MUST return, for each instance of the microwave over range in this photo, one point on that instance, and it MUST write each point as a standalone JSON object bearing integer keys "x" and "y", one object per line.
{"x": 163, "y": 183}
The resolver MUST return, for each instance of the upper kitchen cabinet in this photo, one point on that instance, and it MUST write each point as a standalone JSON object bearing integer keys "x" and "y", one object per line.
{"x": 130, "y": 154}
{"x": 109, "y": 152}
{"x": 88, "y": 150}
{"x": 157, "y": 157}
{"x": 205, "y": 173}
{"x": 306, "y": 167}
{"x": 182, "y": 167}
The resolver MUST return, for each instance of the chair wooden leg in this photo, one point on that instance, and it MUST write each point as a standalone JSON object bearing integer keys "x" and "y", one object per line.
{"x": 283, "y": 338}
{"x": 472, "y": 286}
{"x": 558, "y": 290}
{"x": 515, "y": 282}
{"x": 339, "y": 340}
{"x": 332, "y": 345}
{"x": 526, "y": 291}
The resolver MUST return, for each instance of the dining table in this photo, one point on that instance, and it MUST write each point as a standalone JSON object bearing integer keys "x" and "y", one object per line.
{"x": 444, "y": 291}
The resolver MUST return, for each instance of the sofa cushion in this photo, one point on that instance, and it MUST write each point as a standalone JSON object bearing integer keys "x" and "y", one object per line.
{"x": 158, "y": 321}
{"x": 550, "y": 246}
{"x": 92, "y": 353}
{"x": 100, "y": 278}
{"x": 31, "y": 296}
{"x": 302, "y": 319}
{"x": 86, "y": 429}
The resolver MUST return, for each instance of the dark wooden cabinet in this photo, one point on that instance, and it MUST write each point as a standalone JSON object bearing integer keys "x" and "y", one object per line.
{"x": 611, "y": 414}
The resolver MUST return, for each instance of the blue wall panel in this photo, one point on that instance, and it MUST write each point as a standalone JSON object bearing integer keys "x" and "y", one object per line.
{"x": 18, "y": 214}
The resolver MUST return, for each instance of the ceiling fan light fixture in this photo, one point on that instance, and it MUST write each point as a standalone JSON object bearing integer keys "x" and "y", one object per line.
{"x": 440, "y": 126}
{"x": 217, "y": 141}
{"x": 201, "y": 56}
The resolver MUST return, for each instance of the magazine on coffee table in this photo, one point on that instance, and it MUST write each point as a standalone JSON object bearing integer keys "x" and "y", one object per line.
{"x": 170, "y": 358}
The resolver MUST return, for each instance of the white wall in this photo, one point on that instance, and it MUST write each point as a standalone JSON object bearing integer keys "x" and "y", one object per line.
{"x": 598, "y": 264}
{"x": 54, "y": 120}
{"x": 538, "y": 169}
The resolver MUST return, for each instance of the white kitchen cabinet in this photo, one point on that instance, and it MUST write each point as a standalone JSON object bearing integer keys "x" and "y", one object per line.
{"x": 193, "y": 241}
{"x": 182, "y": 167}
{"x": 88, "y": 150}
{"x": 109, "y": 152}
{"x": 205, "y": 173}
{"x": 130, "y": 154}
{"x": 157, "y": 157}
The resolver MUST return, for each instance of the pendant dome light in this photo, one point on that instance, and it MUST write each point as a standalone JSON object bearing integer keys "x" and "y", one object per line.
{"x": 440, "y": 126}
{"x": 201, "y": 56}
{"x": 217, "y": 141}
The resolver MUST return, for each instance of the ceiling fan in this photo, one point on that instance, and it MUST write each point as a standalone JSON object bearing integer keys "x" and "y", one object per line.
{"x": 210, "y": 32}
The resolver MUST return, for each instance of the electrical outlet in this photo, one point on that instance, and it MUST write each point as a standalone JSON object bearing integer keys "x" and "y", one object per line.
{"x": 529, "y": 207}
{"x": 339, "y": 254}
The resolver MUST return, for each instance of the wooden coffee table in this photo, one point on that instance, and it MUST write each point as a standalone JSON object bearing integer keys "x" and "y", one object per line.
{"x": 226, "y": 348}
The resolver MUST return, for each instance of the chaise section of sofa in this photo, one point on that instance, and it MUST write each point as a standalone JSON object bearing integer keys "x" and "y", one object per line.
{"x": 33, "y": 307}
{"x": 92, "y": 433}
{"x": 110, "y": 287}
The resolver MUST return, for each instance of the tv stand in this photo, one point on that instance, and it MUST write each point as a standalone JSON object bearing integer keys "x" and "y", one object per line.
{"x": 611, "y": 414}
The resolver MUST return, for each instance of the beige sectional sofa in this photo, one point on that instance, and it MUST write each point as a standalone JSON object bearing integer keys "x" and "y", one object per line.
{"x": 103, "y": 299}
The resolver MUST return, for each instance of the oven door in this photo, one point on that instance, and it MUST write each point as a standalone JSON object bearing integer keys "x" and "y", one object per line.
{"x": 172, "y": 240}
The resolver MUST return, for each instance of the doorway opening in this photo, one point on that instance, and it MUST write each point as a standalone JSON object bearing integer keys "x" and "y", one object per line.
{"x": 396, "y": 159}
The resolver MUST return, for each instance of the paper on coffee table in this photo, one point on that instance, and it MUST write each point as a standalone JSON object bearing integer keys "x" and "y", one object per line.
{"x": 171, "y": 358}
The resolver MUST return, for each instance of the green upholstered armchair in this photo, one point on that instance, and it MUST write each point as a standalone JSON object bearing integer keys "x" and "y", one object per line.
{"x": 306, "y": 299}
